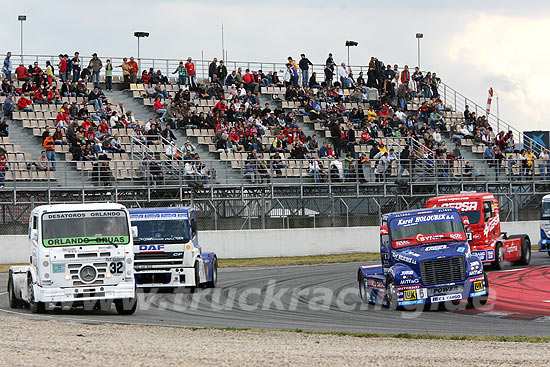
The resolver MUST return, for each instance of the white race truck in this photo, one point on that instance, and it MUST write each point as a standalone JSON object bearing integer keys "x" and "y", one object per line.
{"x": 80, "y": 255}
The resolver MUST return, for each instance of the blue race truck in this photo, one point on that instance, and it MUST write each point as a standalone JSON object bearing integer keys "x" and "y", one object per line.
{"x": 167, "y": 251}
{"x": 544, "y": 243}
{"x": 425, "y": 259}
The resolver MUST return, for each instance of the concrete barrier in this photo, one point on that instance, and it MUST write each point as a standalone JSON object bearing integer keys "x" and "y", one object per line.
{"x": 273, "y": 242}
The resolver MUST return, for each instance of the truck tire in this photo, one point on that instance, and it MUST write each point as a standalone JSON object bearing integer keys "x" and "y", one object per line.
{"x": 362, "y": 287}
{"x": 499, "y": 257}
{"x": 525, "y": 251}
{"x": 126, "y": 306}
{"x": 13, "y": 300}
{"x": 212, "y": 283}
{"x": 35, "y": 306}
{"x": 391, "y": 294}
{"x": 197, "y": 277}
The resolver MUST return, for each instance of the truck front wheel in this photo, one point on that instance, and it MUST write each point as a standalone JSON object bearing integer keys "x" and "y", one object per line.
{"x": 35, "y": 306}
{"x": 126, "y": 306}
{"x": 212, "y": 283}
{"x": 362, "y": 288}
{"x": 13, "y": 300}
{"x": 499, "y": 257}
{"x": 391, "y": 294}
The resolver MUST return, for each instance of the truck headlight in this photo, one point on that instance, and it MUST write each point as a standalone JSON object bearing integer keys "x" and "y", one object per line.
{"x": 129, "y": 260}
{"x": 108, "y": 274}
{"x": 45, "y": 263}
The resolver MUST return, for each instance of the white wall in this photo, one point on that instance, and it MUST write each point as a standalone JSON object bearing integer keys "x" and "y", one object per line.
{"x": 274, "y": 242}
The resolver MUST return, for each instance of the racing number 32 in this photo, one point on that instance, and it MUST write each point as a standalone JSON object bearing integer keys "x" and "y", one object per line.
{"x": 115, "y": 268}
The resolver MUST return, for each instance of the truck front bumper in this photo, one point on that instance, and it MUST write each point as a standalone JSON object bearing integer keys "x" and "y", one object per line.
{"x": 413, "y": 295}
{"x": 165, "y": 278}
{"x": 122, "y": 290}
{"x": 544, "y": 245}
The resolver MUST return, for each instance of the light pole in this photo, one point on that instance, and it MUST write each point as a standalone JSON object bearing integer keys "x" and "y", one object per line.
{"x": 350, "y": 44}
{"x": 418, "y": 37}
{"x": 140, "y": 35}
{"x": 22, "y": 18}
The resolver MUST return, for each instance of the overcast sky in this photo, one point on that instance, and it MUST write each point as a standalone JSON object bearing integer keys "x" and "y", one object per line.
{"x": 472, "y": 47}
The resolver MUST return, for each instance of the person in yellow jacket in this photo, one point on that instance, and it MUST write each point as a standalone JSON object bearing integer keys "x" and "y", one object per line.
{"x": 49, "y": 146}
{"x": 531, "y": 157}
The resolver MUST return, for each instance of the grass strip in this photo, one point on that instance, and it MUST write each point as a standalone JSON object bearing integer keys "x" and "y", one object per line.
{"x": 298, "y": 260}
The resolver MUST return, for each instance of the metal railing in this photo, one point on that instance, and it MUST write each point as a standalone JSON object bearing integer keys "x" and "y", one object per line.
{"x": 266, "y": 172}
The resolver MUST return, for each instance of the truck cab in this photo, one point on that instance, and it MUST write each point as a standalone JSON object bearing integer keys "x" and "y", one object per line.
{"x": 544, "y": 242}
{"x": 482, "y": 219}
{"x": 80, "y": 254}
{"x": 425, "y": 258}
{"x": 167, "y": 250}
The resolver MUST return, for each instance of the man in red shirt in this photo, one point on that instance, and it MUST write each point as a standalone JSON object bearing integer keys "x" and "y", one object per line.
{"x": 62, "y": 68}
{"x": 23, "y": 103}
{"x": 22, "y": 73}
{"x": 190, "y": 67}
{"x": 134, "y": 69}
{"x": 250, "y": 83}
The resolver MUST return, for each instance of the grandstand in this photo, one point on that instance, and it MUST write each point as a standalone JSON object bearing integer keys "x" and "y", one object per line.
{"x": 126, "y": 162}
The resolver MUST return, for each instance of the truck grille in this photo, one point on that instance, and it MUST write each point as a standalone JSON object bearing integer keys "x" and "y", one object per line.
{"x": 165, "y": 258}
{"x": 443, "y": 270}
{"x": 100, "y": 267}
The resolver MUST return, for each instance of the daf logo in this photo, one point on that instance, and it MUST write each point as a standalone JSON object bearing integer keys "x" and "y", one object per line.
{"x": 88, "y": 273}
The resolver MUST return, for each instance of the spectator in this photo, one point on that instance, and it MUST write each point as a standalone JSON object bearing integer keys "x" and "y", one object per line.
{"x": 62, "y": 67}
{"x": 315, "y": 169}
{"x": 182, "y": 74}
{"x": 6, "y": 69}
{"x": 43, "y": 164}
{"x": 3, "y": 163}
{"x": 159, "y": 108}
{"x": 489, "y": 155}
{"x": 304, "y": 67}
{"x": 4, "y": 128}
{"x": 58, "y": 136}
{"x": 9, "y": 106}
{"x": 343, "y": 73}
{"x": 76, "y": 66}
{"x": 96, "y": 65}
{"x": 221, "y": 72}
{"x": 133, "y": 69}
{"x": 22, "y": 73}
{"x": 168, "y": 135}
{"x": 49, "y": 145}
{"x": 101, "y": 172}
{"x": 190, "y": 67}
{"x": 213, "y": 69}
{"x": 108, "y": 76}
{"x": 23, "y": 103}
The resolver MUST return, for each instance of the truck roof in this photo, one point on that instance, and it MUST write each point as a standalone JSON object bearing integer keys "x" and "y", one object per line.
{"x": 407, "y": 213}
{"x": 462, "y": 197}
{"x": 167, "y": 210}
{"x": 77, "y": 207}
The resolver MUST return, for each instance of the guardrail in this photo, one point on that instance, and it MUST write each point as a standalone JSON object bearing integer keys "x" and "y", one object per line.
{"x": 174, "y": 173}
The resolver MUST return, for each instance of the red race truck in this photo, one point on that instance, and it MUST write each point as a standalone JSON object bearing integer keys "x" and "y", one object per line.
{"x": 481, "y": 218}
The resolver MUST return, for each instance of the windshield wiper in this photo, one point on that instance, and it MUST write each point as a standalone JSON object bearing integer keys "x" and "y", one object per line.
{"x": 106, "y": 241}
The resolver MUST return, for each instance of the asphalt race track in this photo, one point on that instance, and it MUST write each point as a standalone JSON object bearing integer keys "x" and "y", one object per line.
{"x": 325, "y": 297}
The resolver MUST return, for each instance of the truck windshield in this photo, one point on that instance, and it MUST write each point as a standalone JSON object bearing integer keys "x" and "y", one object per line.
{"x": 545, "y": 213}
{"x": 168, "y": 230}
{"x": 426, "y": 228}
{"x": 85, "y": 228}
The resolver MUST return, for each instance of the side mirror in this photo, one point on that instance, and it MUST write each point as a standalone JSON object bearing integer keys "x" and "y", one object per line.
{"x": 384, "y": 230}
{"x": 134, "y": 231}
{"x": 194, "y": 226}
{"x": 34, "y": 235}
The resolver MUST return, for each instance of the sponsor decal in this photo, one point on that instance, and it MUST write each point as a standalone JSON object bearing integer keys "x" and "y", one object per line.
{"x": 513, "y": 248}
{"x": 410, "y": 295}
{"x": 68, "y": 241}
{"x": 490, "y": 255}
{"x": 465, "y": 206}
{"x": 84, "y": 214}
{"x": 402, "y": 288}
{"x": 58, "y": 268}
{"x": 477, "y": 236}
{"x": 477, "y": 294}
{"x": 425, "y": 218}
{"x": 480, "y": 254}
{"x": 461, "y": 249}
{"x": 475, "y": 279}
{"x": 149, "y": 248}
{"x": 410, "y": 281}
{"x": 407, "y": 272}
{"x": 375, "y": 283}
{"x": 490, "y": 225}
{"x": 157, "y": 216}
{"x": 447, "y": 297}
{"x": 456, "y": 236}
{"x": 406, "y": 303}
{"x": 411, "y": 253}
{"x": 401, "y": 257}
{"x": 478, "y": 286}
{"x": 401, "y": 243}
{"x": 435, "y": 248}
{"x": 445, "y": 290}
